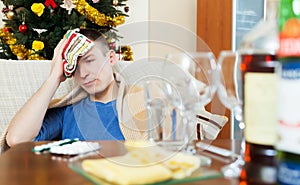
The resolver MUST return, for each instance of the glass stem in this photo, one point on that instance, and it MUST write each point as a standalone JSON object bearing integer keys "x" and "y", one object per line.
{"x": 185, "y": 126}
{"x": 186, "y": 123}
{"x": 238, "y": 116}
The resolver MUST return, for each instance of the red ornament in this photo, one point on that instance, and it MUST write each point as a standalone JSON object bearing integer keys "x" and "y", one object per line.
{"x": 23, "y": 28}
{"x": 126, "y": 9}
{"x": 6, "y": 30}
{"x": 112, "y": 45}
{"x": 50, "y": 3}
{"x": 5, "y": 10}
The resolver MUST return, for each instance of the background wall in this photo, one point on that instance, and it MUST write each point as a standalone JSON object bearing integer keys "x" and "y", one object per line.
{"x": 172, "y": 26}
{"x": 153, "y": 27}
{"x": 136, "y": 30}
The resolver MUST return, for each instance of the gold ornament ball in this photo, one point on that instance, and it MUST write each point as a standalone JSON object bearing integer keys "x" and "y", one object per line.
{"x": 115, "y": 2}
{"x": 10, "y": 15}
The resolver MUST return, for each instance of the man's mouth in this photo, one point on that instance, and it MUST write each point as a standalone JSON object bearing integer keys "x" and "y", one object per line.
{"x": 88, "y": 83}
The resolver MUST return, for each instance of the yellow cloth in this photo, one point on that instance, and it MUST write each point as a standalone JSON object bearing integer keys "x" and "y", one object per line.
{"x": 180, "y": 164}
{"x": 143, "y": 164}
{"x": 125, "y": 170}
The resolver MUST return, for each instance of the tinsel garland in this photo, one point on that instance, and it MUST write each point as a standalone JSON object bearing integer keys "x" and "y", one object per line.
{"x": 27, "y": 54}
{"x": 18, "y": 49}
{"x": 95, "y": 16}
{"x": 127, "y": 53}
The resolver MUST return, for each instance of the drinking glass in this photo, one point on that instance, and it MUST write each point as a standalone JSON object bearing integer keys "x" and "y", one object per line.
{"x": 163, "y": 125}
{"x": 192, "y": 90}
{"x": 229, "y": 92}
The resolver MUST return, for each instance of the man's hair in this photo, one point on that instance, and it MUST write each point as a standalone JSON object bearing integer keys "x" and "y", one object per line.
{"x": 97, "y": 37}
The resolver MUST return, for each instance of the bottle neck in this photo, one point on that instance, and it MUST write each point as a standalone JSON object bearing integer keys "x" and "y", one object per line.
{"x": 271, "y": 10}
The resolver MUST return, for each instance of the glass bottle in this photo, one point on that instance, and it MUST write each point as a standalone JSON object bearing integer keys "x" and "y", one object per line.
{"x": 288, "y": 89}
{"x": 258, "y": 61}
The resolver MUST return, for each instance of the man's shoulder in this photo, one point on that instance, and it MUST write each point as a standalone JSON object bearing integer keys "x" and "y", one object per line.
{"x": 134, "y": 88}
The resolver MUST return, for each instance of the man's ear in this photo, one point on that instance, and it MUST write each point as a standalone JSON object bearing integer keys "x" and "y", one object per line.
{"x": 112, "y": 57}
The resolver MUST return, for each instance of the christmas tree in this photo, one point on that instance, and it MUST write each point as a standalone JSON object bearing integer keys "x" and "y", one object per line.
{"x": 32, "y": 28}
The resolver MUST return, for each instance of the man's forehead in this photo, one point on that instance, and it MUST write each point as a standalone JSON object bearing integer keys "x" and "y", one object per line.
{"x": 94, "y": 51}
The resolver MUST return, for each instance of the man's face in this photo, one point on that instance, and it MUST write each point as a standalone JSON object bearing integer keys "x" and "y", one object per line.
{"x": 94, "y": 71}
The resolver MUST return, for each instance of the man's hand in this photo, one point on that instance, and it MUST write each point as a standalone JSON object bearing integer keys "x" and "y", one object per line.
{"x": 57, "y": 62}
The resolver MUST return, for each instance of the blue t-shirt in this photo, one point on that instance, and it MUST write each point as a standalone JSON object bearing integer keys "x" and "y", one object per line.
{"x": 86, "y": 120}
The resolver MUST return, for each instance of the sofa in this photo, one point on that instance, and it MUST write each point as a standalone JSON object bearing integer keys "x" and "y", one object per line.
{"x": 18, "y": 81}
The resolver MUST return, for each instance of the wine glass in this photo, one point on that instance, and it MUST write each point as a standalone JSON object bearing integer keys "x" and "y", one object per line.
{"x": 192, "y": 90}
{"x": 229, "y": 92}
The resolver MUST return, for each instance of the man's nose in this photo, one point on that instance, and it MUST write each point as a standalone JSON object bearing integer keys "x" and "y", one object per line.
{"x": 81, "y": 70}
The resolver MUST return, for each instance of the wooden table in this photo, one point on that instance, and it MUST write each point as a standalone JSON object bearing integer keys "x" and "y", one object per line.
{"x": 20, "y": 166}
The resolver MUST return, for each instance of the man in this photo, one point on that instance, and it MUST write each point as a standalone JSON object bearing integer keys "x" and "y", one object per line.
{"x": 94, "y": 74}
{"x": 101, "y": 109}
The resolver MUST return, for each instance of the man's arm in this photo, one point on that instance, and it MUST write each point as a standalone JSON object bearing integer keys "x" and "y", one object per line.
{"x": 27, "y": 122}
